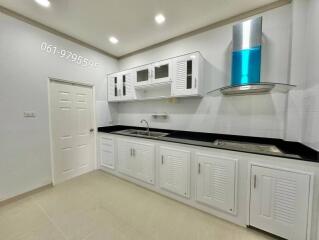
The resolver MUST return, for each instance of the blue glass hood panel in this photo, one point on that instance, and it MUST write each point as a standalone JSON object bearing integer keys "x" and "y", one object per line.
{"x": 246, "y": 66}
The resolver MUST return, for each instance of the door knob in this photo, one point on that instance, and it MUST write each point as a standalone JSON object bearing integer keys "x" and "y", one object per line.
{"x": 91, "y": 130}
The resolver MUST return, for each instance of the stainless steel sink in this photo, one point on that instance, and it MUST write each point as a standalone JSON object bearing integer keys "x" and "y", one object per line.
{"x": 134, "y": 132}
{"x": 246, "y": 146}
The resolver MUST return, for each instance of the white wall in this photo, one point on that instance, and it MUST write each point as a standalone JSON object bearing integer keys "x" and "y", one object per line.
{"x": 311, "y": 94}
{"x": 24, "y": 72}
{"x": 263, "y": 116}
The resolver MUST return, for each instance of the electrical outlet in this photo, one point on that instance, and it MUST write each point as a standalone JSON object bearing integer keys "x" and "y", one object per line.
{"x": 29, "y": 114}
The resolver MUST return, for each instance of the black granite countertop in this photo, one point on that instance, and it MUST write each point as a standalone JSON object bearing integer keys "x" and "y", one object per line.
{"x": 292, "y": 150}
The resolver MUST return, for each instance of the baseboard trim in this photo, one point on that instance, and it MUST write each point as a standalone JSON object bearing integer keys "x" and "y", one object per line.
{"x": 24, "y": 195}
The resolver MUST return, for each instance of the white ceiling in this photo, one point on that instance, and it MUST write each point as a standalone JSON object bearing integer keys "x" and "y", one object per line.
{"x": 131, "y": 21}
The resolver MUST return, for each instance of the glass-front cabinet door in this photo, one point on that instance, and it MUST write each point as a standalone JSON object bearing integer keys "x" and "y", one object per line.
{"x": 186, "y": 75}
{"x": 162, "y": 71}
{"x": 143, "y": 75}
{"x": 114, "y": 88}
{"x": 127, "y": 88}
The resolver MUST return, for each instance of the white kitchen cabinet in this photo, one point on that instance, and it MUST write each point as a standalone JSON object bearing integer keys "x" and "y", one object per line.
{"x": 188, "y": 75}
{"x": 136, "y": 159}
{"x": 125, "y": 157}
{"x": 143, "y": 75}
{"x": 216, "y": 181}
{"x": 107, "y": 158}
{"x": 279, "y": 202}
{"x": 121, "y": 86}
{"x": 112, "y": 86}
{"x": 153, "y": 74}
{"x": 161, "y": 72}
{"x": 175, "y": 170}
{"x": 180, "y": 76}
{"x": 144, "y": 156}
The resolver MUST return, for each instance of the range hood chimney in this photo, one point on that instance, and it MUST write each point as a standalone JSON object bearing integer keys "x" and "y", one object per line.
{"x": 246, "y": 62}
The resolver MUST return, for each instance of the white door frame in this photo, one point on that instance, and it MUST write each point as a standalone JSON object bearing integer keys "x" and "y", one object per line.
{"x": 50, "y": 123}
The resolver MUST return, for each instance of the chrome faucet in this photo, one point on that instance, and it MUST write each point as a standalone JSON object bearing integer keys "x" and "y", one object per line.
{"x": 147, "y": 126}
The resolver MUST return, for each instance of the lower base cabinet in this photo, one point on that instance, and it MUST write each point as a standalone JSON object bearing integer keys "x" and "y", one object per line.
{"x": 216, "y": 181}
{"x": 280, "y": 199}
{"x": 137, "y": 159}
{"x": 107, "y": 158}
{"x": 279, "y": 202}
{"x": 175, "y": 170}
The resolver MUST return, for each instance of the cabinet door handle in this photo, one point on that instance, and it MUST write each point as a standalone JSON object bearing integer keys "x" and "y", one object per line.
{"x": 162, "y": 159}
{"x": 198, "y": 168}
{"x": 131, "y": 152}
{"x": 195, "y": 85}
{"x": 255, "y": 181}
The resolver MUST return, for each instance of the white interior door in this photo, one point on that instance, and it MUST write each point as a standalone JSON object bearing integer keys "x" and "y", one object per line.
{"x": 72, "y": 130}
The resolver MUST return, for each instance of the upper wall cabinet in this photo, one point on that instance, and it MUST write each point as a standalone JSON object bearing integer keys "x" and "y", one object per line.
{"x": 153, "y": 74}
{"x": 121, "y": 86}
{"x": 175, "y": 77}
{"x": 162, "y": 72}
{"x": 188, "y": 75}
{"x": 143, "y": 75}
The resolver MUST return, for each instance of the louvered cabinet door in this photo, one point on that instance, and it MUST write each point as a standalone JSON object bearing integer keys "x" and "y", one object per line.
{"x": 174, "y": 170}
{"x": 144, "y": 161}
{"x": 185, "y": 75}
{"x": 279, "y": 202}
{"x": 216, "y": 181}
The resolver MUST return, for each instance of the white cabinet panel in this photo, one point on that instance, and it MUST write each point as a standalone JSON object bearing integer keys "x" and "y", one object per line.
{"x": 174, "y": 170}
{"x": 121, "y": 86}
{"x": 112, "y": 85}
{"x": 125, "y": 157}
{"x": 161, "y": 71}
{"x": 216, "y": 181}
{"x": 136, "y": 159}
{"x": 143, "y": 75}
{"x": 186, "y": 75}
{"x": 279, "y": 202}
{"x": 144, "y": 157}
{"x": 107, "y": 152}
{"x": 127, "y": 85}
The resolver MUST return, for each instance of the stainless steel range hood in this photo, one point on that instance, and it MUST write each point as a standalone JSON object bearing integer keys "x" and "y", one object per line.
{"x": 246, "y": 62}
{"x": 254, "y": 89}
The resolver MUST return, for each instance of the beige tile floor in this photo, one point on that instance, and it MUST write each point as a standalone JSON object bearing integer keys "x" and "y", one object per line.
{"x": 98, "y": 206}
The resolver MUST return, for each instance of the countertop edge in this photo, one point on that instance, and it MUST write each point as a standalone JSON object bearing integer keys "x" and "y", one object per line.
{"x": 113, "y": 129}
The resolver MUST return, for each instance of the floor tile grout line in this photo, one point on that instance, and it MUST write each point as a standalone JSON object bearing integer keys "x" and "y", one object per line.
{"x": 50, "y": 219}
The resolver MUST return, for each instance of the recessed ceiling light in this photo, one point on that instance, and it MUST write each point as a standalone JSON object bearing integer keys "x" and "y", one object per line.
{"x": 159, "y": 18}
{"x": 113, "y": 40}
{"x": 43, "y": 3}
